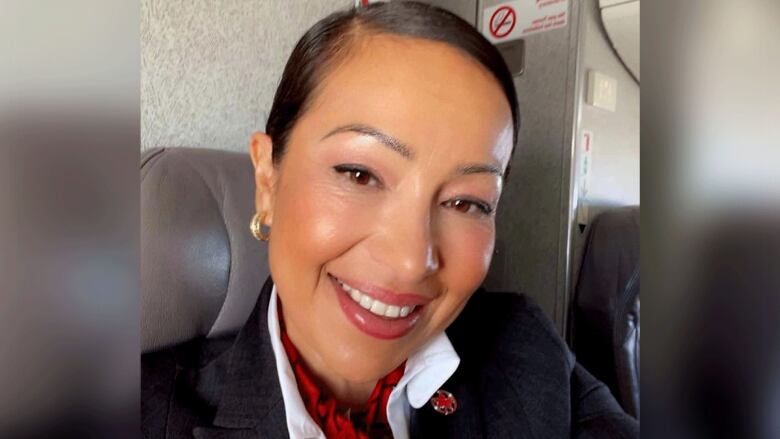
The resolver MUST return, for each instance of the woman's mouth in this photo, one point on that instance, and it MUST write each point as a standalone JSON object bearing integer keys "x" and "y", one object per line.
{"x": 375, "y": 305}
{"x": 390, "y": 317}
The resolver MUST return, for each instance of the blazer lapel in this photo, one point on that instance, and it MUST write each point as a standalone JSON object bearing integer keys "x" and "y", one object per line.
{"x": 250, "y": 403}
{"x": 224, "y": 433}
{"x": 490, "y": 366}
{"x": 273, "y": 426}
{"x": 466, "y": 421}
{"x": 512, "y": 381}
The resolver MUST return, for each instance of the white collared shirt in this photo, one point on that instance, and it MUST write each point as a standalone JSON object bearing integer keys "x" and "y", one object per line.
{"x": 426, "y": 371}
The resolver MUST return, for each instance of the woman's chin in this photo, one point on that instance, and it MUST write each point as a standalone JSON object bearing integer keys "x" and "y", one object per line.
{"x": 365, "y": 371}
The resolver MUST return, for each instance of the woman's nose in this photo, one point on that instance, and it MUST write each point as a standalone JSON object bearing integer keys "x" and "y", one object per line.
{"x": 408, "y": 247}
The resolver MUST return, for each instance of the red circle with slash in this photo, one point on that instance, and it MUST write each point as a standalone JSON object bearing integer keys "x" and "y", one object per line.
{"x": 502, "y": 22}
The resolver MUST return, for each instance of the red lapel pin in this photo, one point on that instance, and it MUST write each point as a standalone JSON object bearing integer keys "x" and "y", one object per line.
{"x": 444, "y": 402}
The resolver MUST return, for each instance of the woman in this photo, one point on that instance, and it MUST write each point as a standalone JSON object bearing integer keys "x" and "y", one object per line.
{"x": 378, "y": 179}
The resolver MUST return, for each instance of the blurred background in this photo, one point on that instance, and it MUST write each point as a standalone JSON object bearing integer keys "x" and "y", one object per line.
{"x": 85, "y": 86}
{"x": 69, "y": 209}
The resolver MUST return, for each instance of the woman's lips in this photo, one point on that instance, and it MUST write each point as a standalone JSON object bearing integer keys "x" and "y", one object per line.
{"x": 369, "y": 322}
{"x": 386, "y": 296}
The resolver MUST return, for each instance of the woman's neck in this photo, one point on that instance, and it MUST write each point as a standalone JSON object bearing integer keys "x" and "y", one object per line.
{"x": 347, "y": 393}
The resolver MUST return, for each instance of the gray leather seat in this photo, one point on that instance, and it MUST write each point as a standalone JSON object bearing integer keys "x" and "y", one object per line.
{"x": 605, "y": 325}
{"x": 201, "y": 269}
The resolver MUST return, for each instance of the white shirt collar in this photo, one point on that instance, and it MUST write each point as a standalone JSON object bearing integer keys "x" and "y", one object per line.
{"x": 426, "y": 371}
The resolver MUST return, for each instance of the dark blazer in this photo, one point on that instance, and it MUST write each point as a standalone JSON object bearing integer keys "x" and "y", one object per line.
{"x": 516, "y": 379}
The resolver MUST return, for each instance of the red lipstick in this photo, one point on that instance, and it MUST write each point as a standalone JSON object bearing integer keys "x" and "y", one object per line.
{"x": 372, "y": 324}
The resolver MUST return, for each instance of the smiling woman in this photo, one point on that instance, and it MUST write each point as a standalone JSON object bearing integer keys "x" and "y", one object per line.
{"x": 377, "y": 182}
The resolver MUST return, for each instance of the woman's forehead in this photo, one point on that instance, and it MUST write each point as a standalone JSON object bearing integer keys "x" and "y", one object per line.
{"x": 390, "y": 64}
{"x": 423, "y": 91}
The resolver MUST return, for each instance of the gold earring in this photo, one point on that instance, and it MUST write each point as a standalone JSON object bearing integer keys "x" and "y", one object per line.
{"x": 256, "y": 227}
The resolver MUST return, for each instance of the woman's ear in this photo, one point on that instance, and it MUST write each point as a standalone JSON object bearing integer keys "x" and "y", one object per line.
{"x": 261, "y": 149}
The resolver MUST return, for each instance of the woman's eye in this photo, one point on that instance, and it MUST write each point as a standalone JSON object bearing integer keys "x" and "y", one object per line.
{"x": 469, "y": 207}
{"x": 359, "y": 176}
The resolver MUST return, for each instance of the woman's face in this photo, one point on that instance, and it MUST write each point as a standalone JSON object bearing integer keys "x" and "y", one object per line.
{"x": 384, "y": 200}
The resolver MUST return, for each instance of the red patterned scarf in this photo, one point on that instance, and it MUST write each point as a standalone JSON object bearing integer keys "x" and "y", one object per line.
{"x": 336, "y": 421}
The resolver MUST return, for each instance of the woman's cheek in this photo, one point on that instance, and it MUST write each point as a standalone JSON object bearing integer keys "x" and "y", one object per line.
{"x": 468, "y": 249}
{"x": 324, "y": 208}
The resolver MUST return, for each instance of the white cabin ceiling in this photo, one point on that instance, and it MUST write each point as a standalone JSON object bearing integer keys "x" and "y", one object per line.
{"x": 621, "y": 22}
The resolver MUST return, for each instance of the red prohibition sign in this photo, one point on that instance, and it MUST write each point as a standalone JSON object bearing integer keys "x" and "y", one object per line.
{"x": 502, "y": 22}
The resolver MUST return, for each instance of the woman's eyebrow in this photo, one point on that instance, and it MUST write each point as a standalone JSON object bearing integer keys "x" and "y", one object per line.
{"x": 478, "y": 168}
{"x": 367, "y": 130}
{"x": 401, "y": 148}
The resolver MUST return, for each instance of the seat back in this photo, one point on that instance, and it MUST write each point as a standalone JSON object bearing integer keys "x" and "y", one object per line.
{"x": 201, "y": 269}
{"x": 604, "y": 325}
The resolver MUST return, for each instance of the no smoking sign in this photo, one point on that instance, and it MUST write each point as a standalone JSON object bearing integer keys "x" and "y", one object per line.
{"x": 517, "y": 19}
{"x": 502, "y": 22}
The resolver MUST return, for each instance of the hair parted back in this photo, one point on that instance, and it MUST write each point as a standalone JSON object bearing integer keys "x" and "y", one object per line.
{"x": 329, "y": 40}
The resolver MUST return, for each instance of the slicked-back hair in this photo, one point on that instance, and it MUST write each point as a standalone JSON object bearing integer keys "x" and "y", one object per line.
{"x": 329, "y": 40}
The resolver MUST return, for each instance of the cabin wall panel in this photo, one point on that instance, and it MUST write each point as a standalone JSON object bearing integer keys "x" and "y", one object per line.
{"x": 614, "y": 175}
{"x": 614, "y": 180}
{"x": 209, "y": 68}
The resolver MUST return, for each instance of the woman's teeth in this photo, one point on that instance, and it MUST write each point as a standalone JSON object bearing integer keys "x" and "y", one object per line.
{"x": 375, "y": 306}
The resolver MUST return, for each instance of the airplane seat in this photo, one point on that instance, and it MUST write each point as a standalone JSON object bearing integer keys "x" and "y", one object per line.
{"x": 604, "y": 320}
{"x": 201, "y": 269}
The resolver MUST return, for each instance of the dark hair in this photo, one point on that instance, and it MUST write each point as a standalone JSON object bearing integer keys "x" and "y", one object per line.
{"x": 330, "y": 38}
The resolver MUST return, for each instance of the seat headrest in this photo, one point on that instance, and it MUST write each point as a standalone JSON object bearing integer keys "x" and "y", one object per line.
{"x": 201, "y": 269}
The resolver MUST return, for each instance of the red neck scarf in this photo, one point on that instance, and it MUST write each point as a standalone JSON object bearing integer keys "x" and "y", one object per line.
{"x": 336, "y": 421}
